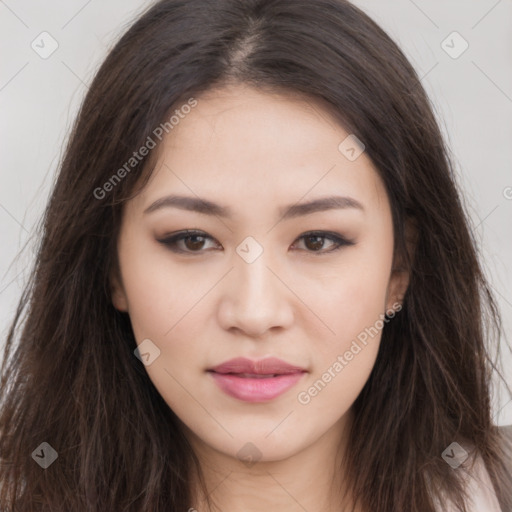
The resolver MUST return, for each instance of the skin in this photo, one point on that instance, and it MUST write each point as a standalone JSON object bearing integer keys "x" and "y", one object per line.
{"x": 254, "y": 152}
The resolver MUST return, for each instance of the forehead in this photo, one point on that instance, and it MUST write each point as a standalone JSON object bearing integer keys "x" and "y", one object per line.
{"x": 239, "y": 118}
{"x": 258, "y": 146}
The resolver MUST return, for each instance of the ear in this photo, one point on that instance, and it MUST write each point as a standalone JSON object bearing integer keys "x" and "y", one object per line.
{"x": 400, "y": 273}
{"x": 117, "y": 292}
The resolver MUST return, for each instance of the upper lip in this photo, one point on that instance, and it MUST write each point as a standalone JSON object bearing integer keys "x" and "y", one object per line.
{"x": 268, "y": 366}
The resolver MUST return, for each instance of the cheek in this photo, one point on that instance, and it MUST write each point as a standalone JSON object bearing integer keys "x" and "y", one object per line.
{"x": 166, "y": 303}
{"x": 351, "y": 301}
{"x": 352, "y": 297}
{"x": 163, "y": 307}
{"x": 342, "y": 362}
{"x": 158, "y": 293}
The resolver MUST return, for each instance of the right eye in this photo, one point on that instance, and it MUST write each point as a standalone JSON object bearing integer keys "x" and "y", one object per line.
{"x": 193, "y": 241}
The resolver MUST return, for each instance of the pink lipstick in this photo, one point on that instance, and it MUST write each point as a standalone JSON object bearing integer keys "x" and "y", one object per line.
{"x": 256, "y": 381}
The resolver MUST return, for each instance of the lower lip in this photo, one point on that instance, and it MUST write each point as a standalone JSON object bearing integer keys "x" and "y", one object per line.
{"x": 255, "y": 390}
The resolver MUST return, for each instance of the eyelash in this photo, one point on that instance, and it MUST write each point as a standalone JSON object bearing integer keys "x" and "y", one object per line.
{"x": 171, "y": 241}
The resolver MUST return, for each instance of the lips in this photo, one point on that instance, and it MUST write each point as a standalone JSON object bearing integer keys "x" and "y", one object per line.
{"x": 264, "y": 367}
{"x": 256, "y": 381}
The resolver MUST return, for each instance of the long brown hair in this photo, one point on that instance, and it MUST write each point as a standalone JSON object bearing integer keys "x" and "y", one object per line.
{"x": 70, "y": 377}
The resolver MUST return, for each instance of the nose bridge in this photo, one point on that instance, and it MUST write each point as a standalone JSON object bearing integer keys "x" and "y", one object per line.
{"x": 256, "y": 299}
{"x": 253, "y": 280}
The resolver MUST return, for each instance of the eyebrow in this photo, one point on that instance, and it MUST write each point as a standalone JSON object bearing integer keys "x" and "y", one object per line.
{"x": 206, "y": 207}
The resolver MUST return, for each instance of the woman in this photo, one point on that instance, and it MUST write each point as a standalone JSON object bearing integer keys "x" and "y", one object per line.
{"x": 256, "y": 287}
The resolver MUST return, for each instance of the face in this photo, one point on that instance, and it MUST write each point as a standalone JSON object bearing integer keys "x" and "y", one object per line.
{"x": 261, "y": 275}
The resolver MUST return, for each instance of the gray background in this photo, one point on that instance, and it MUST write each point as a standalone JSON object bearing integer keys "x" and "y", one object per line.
{"x": 472, "y": 95}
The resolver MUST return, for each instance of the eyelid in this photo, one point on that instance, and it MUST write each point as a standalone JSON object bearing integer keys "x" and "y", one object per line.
{"x": 171, "y": 240}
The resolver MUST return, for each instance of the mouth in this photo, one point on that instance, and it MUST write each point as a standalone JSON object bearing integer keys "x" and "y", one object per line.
{"x": 256, "y": 381}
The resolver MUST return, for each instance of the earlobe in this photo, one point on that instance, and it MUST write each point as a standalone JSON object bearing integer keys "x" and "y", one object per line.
{"x": 400, "y": 275}
{"x": 398, "y": 285}
{"x": 117, "y": 293}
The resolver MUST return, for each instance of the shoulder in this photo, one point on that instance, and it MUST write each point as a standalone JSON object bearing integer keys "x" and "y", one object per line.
{"x": 480, "y": 490}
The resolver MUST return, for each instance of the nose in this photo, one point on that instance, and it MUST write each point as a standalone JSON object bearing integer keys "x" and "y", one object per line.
{"x": 255, "y": 298}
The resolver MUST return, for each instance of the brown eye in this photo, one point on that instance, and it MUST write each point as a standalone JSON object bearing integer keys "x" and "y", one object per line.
{"x": 315, "y": 241}
{"x": 186, "y": 242}
{"x": 195, "y": 242}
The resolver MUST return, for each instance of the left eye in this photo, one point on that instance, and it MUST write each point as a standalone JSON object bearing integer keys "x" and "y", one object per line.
{"x": 194, "y": 241}
{"x": 315, "y": 241}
